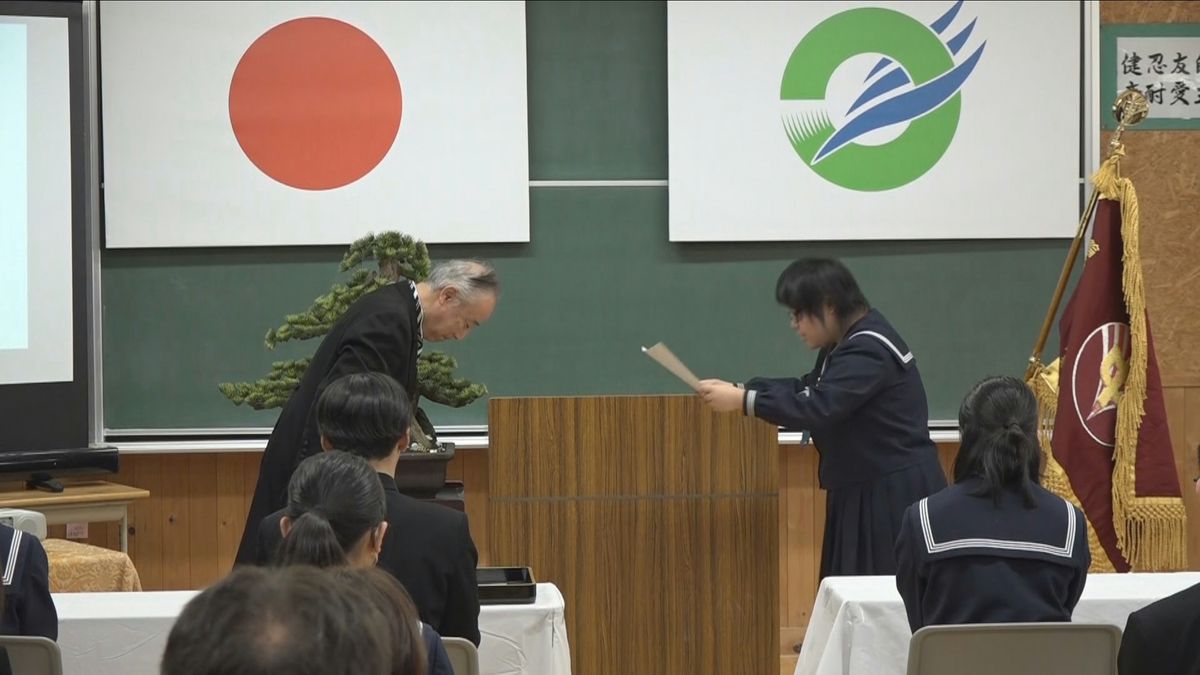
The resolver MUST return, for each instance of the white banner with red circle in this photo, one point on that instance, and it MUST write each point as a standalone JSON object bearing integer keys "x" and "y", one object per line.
{"x": 309, "y": 123}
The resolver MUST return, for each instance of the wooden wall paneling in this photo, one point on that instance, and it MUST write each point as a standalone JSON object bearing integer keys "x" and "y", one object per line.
{"x": 1185, "y": 454}
{"x": 202, "y": 520}
{"x": 197, "y": 510}
{"x": 231, "y": 509}
{"x": 454, "y": 470}
{"x": 946, "y": 454}
{"x": 177, "y": 549}
{"x": 475, "y": 480}
{"x": 812, "y": 531}
{"x": 146, "y": 519}
{"x": 1150, "y": 11}
{"x": 798, "y": 519}
{"x": 250, "y": 466}
{"x": 785, "y": 548}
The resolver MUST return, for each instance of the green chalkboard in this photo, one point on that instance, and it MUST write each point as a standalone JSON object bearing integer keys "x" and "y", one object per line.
{"x": 598, "y": 280}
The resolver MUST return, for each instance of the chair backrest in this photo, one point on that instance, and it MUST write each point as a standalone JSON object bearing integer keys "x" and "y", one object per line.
{"x": 464, "y": 658}
{"x": 31, "y": 655}
{"x": 1015, "y": 649}
{"x": 27, "y": 521}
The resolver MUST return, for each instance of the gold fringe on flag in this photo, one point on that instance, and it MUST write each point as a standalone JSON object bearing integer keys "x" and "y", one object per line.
{"x": 1045, "y": 388}
{"x": 1151, "y": 531}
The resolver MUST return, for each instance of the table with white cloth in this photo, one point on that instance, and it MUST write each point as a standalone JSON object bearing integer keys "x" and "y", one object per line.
{"x": 125, "y": 633}
{"x": 858, "y": 624}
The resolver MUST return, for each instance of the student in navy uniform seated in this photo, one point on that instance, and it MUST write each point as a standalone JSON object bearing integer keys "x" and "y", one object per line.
{"x": 995, "y": 547}
{"x": 428, "y": 547}
{"x": 335, "y": 518}
{"x": 26, "y": 608}
{"x": 864, "y": 404}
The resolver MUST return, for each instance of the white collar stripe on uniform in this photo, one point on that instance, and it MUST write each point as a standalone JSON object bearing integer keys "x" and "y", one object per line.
{"x": 905, "y": 358}
{"x": 14, "y": 550}
{"x": 932, "y": 546}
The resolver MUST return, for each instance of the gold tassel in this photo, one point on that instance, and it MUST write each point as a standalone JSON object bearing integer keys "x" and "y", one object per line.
{"x": 1151, "y": 531}
{"x": 1045, "y": 389}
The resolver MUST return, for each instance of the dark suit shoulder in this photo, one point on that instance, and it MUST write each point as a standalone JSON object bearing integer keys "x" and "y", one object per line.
{"x": 270, "y": 524}
{"x": 394, "y": 299}
{"x": 434, "y": 517}
{"x": 1171, "y": 609}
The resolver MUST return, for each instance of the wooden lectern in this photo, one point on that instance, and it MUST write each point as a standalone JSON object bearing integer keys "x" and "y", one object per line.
{"x": 655, "y": 517}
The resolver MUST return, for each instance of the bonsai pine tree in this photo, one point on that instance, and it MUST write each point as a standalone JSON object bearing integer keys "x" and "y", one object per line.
{"x": 396, "y": 256}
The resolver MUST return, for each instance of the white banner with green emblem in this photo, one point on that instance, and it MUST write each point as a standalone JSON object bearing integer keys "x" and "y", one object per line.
{"x": 884, "y": 120}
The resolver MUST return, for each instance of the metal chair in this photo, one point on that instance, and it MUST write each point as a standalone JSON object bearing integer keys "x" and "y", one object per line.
{"x": 1015, "y": 649}
{"x": 31, "y": 655}
{"x": 464, "y": 658}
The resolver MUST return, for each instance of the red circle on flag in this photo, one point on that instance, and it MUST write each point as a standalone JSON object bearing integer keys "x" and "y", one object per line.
{"x": 315, "y": 103}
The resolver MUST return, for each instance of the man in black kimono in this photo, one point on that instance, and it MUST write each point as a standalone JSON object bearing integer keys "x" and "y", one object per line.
{"x": 382, "y": 332}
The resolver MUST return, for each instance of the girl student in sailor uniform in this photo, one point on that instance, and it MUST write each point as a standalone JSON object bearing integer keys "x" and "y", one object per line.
{"x": 26, "y": 608}
{"x": 865, "y": 407}
{"x": 995, "y": 547}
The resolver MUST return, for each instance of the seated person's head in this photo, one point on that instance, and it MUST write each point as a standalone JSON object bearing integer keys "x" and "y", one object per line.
{"x": 404, "y": 623}
{"x": 295, "y": 621}
{"x": 998, "y": 423}
{"x": 365, "y": 413}
{"x": 335, "y": 513}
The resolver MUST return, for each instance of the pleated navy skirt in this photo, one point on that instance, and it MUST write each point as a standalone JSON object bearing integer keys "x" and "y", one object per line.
{"x": 863, "y": 520}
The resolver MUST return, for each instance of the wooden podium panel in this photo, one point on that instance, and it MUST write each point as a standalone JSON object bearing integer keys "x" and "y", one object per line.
{"x": 657, "y": 519}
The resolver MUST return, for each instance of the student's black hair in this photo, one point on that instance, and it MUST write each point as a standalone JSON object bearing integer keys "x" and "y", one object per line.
{"x": 298, "y": 621}
{"x": 334, "y": 499}
{"x": 998, "y": 422}
{"x": 809, "y": 285}
{"x": 364, "y": 413}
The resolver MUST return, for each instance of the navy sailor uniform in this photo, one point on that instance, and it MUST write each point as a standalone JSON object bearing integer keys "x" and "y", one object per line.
{"x": 28, "y": 608}
{"x": 865, "y": 406}
{"x": 967, "y": 559}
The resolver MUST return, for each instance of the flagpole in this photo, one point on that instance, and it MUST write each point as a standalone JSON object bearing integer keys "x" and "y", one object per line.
{"x": 1129, "y": 109}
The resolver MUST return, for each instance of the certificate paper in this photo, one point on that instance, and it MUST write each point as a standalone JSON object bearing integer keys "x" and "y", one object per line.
{"x": 668, "y": 360}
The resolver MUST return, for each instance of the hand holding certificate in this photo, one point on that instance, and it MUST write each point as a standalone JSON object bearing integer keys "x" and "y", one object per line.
{"x": 668, "y": 360}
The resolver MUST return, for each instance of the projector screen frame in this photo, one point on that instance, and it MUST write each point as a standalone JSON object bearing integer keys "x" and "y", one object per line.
{"x": 72, "y": 410}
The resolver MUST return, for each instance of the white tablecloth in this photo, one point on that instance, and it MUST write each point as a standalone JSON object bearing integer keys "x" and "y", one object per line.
{"x": 125, "y": 633}
{"x": 858, "y": 624}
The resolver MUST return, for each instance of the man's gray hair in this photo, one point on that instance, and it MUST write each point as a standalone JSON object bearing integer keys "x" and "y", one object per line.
{"x": 470, "y": 277}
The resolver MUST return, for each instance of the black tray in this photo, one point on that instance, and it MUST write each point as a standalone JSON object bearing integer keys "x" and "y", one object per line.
{"x": 506, "y": 585}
